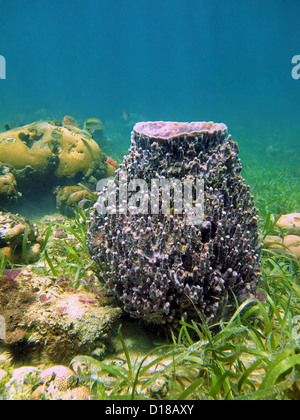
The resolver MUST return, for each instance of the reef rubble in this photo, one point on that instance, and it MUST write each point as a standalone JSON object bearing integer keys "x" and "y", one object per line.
{"x": 54, "y": 383}
{"x": 20, "y": 241}
{"x": 50, "y": 322}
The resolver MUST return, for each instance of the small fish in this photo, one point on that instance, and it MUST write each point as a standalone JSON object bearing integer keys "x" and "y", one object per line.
{"x": 92, "y": 124}
{"x": 125, "y": 115}
{"x": 7, "y": 127}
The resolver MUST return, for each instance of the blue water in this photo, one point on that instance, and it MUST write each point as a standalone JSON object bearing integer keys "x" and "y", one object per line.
{"x": 221, "y": 60}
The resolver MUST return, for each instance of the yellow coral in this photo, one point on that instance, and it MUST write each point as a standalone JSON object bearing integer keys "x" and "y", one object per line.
{"x": 40, "y": 143}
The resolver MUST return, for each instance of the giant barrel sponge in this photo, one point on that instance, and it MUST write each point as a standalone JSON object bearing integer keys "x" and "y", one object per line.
{"x": 160, "y": 267}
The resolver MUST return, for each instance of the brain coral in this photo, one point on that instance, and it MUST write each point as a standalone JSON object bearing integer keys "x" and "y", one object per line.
{"x": 160, "y": 267}
{"x": 39, "y": 144}
{"x": 37, "y": 157}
